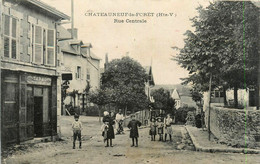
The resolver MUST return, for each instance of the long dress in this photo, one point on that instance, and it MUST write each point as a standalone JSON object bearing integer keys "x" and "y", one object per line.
{"x": 110, "y": 132}
{"x": 133, "y": 128}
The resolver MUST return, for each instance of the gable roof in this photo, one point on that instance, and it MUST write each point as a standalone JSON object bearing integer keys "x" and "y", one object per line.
{"x": 175, "y": 94}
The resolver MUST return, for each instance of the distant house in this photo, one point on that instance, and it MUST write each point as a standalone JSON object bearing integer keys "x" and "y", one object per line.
{"x": 175, "y": 95}
{"x": 180, "y": 93}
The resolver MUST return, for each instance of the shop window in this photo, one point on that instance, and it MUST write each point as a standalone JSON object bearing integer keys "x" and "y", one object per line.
{"x": 10, "y": 37}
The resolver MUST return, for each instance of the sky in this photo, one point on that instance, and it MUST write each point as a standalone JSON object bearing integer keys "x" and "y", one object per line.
{"x": 149, "y": 43}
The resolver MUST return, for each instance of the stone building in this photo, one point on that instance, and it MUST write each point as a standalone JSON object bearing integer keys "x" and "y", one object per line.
{"x": 78, "y": 60}
{"x": 28, "y": 70}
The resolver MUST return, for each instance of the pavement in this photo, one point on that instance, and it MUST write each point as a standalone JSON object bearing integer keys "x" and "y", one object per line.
{"x": 201, "y": 142}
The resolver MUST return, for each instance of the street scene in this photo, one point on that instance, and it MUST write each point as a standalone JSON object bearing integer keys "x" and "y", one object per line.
{"x": 130, "y": 82}
{"x": 93, "y": 150}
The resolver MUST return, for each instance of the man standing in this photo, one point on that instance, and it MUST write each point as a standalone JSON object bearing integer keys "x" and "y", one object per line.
{"x": 119, "y": 122}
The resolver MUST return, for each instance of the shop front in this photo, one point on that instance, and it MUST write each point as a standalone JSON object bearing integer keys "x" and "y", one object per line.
{"x": 28, "y": 106}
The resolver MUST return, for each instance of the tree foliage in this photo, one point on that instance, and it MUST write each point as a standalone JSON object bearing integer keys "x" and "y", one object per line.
{"x": 163, "y": 100}
{"x": 224, "y": 44}
{"x": 124, "y": 78}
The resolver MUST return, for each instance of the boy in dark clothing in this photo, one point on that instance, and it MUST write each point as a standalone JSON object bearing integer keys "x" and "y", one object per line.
{"x": 134, "y": 130}
{"x": 76, "y": 127}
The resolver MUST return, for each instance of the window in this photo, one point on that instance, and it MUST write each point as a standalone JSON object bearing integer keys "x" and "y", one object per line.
{"x": 43, "y": 45}
{"x": 10, "y": 37}
{"x": 88, "y": 74}
{"x": 78, "y": 74}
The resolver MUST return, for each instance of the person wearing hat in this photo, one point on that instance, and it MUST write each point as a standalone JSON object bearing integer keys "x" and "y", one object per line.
{"x": 133, "y": 126}
{"x": 119, "y": 122}
{"x": 76, "y": 127}
{"x": 109, "y": 129}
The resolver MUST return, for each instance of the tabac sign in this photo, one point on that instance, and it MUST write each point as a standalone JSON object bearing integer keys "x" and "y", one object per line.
{"x": 38, "y": 80}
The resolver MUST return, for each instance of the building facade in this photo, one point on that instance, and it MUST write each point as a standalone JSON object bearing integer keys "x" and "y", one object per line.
{"x": 78, "y": 60}
{"x": 28, "y": 70}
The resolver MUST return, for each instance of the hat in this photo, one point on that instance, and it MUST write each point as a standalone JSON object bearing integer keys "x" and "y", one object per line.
{"x": 106, "y": 113}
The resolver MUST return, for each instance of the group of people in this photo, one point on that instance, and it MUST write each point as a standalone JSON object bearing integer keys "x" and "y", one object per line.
{"x": 108, "y": 128}
{"x": 158, "y": 125}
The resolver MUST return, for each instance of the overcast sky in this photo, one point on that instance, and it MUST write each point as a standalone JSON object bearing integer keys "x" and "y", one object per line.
{"x": 147, "y": 43}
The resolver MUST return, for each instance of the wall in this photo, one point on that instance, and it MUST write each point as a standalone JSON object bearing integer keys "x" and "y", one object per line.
{"x": 229, "y": 125}
{"x": 94, "y": 74}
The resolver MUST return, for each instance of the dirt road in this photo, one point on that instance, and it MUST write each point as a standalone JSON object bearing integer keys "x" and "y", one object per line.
{"x": 94, "y": 150}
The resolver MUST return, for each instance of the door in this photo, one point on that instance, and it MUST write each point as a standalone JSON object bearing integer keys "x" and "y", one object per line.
{"x": 38, "y": 116}
{"x": 9, "y": 110}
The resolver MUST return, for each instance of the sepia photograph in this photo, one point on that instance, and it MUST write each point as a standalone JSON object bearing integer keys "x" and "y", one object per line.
{"x": 130, "y": 81}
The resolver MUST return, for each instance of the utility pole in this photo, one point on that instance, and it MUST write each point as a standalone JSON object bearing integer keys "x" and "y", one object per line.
{"x": 72, "y": 19}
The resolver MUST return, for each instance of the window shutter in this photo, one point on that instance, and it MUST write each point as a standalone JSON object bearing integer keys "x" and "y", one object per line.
{"x": 6, "y": 46}
{"x": 7, "y": 25}
{"x": 51, "y": 47}
{"x": 38, "y": 49}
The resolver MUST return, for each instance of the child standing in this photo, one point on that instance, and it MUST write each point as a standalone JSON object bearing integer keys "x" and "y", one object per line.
{"x": 153, "y": 126}
{"x": 168, "y": 128}
{"x": 108, "y": 129}
{"x": 160, "y": 128}
{"x": 134, "y": 130}
{"x": 76, "y": 127}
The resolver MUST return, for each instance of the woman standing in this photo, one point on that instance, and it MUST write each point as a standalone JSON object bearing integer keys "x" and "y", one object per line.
{"x": 109, "y": 134}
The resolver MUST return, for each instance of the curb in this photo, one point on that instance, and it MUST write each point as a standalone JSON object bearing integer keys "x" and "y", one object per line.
{"x": 198, "y": 147}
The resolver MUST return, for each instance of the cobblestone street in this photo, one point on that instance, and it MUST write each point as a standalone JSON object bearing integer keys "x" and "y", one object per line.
{"x": 94, "y": 150}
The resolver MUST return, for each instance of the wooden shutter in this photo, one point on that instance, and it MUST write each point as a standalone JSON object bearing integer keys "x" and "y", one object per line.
{"x": 38, "y": 47}
{"x": 6, "y": 36}
{"x": 51, "y": 47}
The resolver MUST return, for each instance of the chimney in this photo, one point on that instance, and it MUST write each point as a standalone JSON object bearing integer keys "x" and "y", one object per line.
{"x": 75, "y": 33}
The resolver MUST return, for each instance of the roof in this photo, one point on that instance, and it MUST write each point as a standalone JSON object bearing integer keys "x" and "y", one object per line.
{"x": 87, "y": 45}
{"x": 93, "y": 56}
{"x": 66, "y": 46}
{"x": 64, "y": 34}
{"x": 73, "y": 42}
{"x": 43, "y": 6}
{"x": 183, "y": 90}
{"x": 175, "y": 95}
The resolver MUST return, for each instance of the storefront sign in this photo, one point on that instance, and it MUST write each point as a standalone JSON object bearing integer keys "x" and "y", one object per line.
{"x": 38, "y": 80}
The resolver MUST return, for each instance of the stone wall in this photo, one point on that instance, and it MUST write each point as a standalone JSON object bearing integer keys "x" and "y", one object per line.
{"x": 234, "y": 126}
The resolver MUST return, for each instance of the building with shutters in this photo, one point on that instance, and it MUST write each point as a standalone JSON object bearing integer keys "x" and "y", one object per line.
{"x": 28, "y": 70}
{"x": 78, "y": 59}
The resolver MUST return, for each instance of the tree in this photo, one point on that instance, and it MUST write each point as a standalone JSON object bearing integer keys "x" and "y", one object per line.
{"x": 125, "y": 79}
{"x": 101, "y": 98}
{"x": 216, "y": 46}
{"x": 163, "y": 100}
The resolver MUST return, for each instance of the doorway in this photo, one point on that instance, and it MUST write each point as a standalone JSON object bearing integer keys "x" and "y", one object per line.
{"x": 38, "y": 116}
